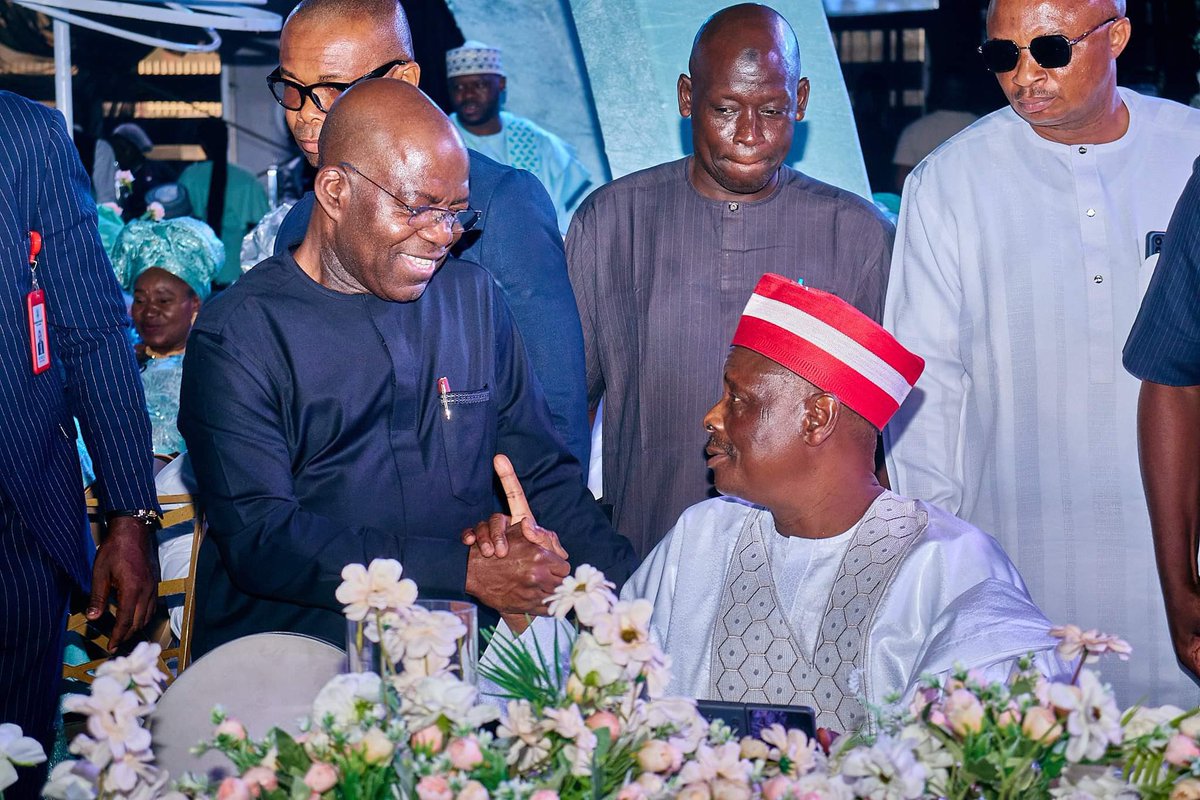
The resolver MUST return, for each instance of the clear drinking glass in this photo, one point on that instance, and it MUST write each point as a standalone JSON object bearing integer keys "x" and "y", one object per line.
{"x": 365, "y": 655}
{"x": 465, "y": 661}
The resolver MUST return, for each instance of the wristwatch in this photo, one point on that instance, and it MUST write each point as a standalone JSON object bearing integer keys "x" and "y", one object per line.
{"x": 146, "y": 516}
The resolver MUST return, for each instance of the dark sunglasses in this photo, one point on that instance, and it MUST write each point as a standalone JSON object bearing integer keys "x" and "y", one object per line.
{"x": 1051, "y": 52}
{"x": 291, "y": 95}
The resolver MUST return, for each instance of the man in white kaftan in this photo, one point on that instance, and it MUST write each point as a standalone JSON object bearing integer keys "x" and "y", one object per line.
{"x": 833, "y": 588}
{"x": 947, "y": 596}
{"x": 477, "y": 83}
{"x": 1024, "y": 247}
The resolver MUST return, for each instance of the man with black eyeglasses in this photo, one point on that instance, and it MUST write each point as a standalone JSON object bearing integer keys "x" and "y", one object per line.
{"x": 345, "y": 400}
{"x": 1024, "y": 246}
{"x": 328, "y": 45}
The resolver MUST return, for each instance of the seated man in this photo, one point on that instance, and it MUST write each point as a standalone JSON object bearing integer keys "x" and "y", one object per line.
{"x": 344, "y": 401}
{"x": 810, "y": 584}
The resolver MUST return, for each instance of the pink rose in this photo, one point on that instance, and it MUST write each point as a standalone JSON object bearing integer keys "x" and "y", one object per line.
{"x": 778, "y": 788}
{"x": 259, "y": 778}
{"x": 605, "y": 719}
{"x": 659, "y": 756}
{"x": 694, "y": 791}
{"x": 1041, "y": 725}
{"x": 233, "y": 789}
{"x": 632, "y": 791}
{"x": 465, "y": 753}
{"x": 434, "y": 787}
{"x": 544, "y": 794}
{"x": 472, "y": 790}
{"x": 321, "y": 777}
{"x": 1181, "y": 750}
{"x": 233, "y": 729}
{"x": 964, "y": 712}
{"x": 431, "y": 739}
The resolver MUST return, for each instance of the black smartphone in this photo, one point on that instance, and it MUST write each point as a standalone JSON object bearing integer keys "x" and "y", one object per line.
{"x": 750, "y": 719}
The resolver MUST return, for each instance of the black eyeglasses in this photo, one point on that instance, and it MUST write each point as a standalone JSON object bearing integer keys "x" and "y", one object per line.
{"x": 426, "y": 216}
{"x": 1051, "y": 52}
{"x": 291, "y": 95}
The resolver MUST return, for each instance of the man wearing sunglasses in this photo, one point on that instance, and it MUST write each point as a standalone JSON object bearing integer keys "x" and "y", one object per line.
{"x": 1024, "y": 246}
{"x": 344, "y": 401}
{"x": 327, "y": 46}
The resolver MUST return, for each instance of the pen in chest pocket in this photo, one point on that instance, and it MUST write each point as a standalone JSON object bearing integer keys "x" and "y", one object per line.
{"x": 443, "y": 386}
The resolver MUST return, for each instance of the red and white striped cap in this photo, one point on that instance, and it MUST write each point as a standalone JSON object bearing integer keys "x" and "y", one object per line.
{"x": 831, "y": 344}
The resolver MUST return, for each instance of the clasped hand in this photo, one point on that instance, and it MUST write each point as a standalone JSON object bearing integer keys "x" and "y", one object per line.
{"x": 514, "y": 563}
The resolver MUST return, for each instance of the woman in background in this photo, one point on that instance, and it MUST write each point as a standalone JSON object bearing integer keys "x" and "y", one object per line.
{"x": 169, "y": 267}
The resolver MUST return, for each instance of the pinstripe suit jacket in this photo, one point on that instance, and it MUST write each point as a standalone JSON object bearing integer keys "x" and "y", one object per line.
{"x": 93, "y": 377}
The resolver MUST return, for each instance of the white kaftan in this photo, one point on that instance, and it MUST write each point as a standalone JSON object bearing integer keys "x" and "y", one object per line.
{"x": 954, "y": 599}
{"x": 1018, "y": 270}
{"x": 525, "y": 145}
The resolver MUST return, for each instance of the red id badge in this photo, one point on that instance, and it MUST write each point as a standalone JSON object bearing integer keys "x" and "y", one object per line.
{"x": 39, "y": 339}
{"x": 35, "y": 305}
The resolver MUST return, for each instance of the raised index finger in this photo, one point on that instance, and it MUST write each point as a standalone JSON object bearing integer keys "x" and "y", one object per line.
{"x": 518, "y": 506}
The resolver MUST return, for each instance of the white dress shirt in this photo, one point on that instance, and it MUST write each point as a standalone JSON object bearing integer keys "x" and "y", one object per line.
{"x": 1018, "y": 271}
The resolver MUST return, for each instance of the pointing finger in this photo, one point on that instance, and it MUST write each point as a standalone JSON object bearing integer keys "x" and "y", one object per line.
{"x": 518, "y": 506}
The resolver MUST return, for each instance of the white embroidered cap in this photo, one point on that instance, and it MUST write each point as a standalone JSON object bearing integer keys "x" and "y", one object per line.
{"x": 474, "y": 58}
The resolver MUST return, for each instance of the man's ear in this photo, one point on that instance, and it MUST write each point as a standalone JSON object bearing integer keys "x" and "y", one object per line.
{"x": 802, "y": 88}
{"x": 332, "y": 191}
{"x": 409, "y": 73}
{"x": 821, "y": 414}
{"x": 1119, "y": 35}
{"x": 684, "y": 90}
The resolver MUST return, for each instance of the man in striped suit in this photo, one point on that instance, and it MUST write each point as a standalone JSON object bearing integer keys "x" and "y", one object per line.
{"x": 45, "y": 547}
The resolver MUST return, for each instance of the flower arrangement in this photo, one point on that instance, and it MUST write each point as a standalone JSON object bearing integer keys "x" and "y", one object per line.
{"x": 598, "y": 725}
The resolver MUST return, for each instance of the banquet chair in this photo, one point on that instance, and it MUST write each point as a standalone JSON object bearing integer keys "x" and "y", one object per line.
{"x": 243, "y": 678}
{"x": 93, "y": 636}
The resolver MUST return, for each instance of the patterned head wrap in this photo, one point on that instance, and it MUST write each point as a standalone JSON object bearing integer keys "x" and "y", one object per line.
{"x": 474, "y": 58}
{"x": 184, "y": 247}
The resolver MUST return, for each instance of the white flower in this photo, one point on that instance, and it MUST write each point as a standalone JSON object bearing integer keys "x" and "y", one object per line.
{"x": 375, "y": 587}
{"x": 710, "y": 763}
{"x": 350, "y": 699}
{"x": 888, "y": 770}
{"x": 529, "y": 745}
{"x": 594, "y": 663}
{"x": 579, "y": 753}
{"x": 420, "y": 635}
{"x": 138, "y": 671}
{"x": 1095, "y": 787}
{"x": 626, "y": 632}
{"x": 1146, "y": 721}
{"x": 113, "y": 716}
{"x": 1076, "y": 642}
{"x": 16, "y": 748}
{"x": 436, "y": 696}
{"x": 929, "y": 751}
{"x": 587, "y": 592}
{"x": 566, "y": 722}
{"x": 569, "y": 724}
{"x": 130, "y": 769}
{"x": 802, "y": 753}
{"x": 72, "y": 780}
{"x": 676, "y": 712}
{"x": 1093, "y": 721}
